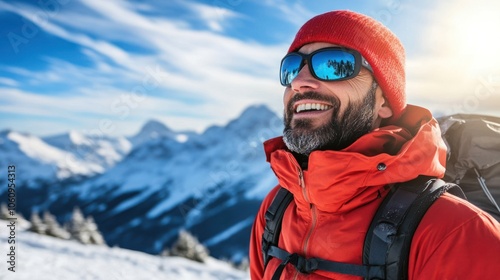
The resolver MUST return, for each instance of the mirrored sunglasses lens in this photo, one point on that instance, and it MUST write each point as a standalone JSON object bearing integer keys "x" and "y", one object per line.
{"x": 333, "y": 64}
{"x": 290, "y": 68}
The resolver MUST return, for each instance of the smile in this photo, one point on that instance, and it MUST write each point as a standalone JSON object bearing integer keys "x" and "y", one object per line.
{"x": 311, "y": 107}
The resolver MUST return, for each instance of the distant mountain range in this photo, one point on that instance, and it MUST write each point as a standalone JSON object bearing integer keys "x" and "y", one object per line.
{"x": 143, "y": 189}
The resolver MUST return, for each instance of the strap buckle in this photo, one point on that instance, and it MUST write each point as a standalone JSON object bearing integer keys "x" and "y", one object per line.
{"x": 303, "y": 265}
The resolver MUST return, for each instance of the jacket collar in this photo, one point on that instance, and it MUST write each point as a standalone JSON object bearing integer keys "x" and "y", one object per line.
{"x": 338, "y": 181}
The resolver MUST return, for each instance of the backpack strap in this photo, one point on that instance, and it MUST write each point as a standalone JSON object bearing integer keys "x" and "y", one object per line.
{"x": 274, "y": 218}
{"x": 389, "y": 237}
{"x": 486, "y": 190}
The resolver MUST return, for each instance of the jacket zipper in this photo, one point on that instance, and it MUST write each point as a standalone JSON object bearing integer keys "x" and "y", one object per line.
{"x": 313, "y": 216}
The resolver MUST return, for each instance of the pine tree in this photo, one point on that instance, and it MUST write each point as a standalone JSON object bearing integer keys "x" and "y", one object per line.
{"x": 94, "y": 233}
{"x": 189, "y": 247}
{"x": 37, "y": 224}
{"x": 77, "y": 227}
{"x": 84, "y": 229}
{"x": 53, "y": 227}
{"x": 4, "y": 212}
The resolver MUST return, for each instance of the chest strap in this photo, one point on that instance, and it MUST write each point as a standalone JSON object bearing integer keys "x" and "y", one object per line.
{"x": 310, "y": 265}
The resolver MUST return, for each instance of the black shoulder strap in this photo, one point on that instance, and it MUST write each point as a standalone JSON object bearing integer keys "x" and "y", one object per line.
{"x": 388, "y": 239}
{"x": 274, "y": 217}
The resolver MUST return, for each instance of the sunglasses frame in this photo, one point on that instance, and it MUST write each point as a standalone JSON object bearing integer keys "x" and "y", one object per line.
{"x": 359, "y": 61}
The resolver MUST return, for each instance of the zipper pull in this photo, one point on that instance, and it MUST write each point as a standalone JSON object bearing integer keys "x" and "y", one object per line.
{"x": 301, "y": 179}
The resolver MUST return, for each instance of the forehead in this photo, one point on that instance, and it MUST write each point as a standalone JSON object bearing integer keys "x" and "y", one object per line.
{"x": 309, "y": 48}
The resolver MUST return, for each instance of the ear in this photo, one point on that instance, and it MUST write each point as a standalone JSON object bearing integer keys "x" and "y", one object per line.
{"x": 384, "y": 110}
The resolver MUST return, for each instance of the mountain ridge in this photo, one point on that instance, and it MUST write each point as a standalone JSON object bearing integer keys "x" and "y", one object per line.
{"x": 210, "y": 184}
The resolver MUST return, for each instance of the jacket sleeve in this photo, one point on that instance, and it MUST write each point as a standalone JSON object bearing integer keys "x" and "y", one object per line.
{"x": 455, "y": 240}
{"x": 256, "y": 259}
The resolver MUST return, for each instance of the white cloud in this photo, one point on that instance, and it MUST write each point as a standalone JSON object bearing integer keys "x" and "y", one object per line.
{"x": 214, "y": 17}
{"x": 8, "y": 82}
{"x": 224, "y": 74}
{"x": 293, "y": 12}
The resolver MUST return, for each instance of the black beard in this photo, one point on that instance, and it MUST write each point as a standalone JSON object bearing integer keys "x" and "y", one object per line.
{"x": 338, "y": 133}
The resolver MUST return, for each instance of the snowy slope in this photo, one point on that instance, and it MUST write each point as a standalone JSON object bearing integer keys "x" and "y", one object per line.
{"x": 42, "y": 257}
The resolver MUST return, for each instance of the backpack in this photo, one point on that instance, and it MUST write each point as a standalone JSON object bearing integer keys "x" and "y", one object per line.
{"x": 473, "y": 161}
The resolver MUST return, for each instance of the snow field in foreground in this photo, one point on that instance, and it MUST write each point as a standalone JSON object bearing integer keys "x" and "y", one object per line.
{"x": 42, "y": 257}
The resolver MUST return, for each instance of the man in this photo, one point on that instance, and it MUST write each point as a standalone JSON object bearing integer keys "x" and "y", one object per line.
{"x": 349, "y": 136}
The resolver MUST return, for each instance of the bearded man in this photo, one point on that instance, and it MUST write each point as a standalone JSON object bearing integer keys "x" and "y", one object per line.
{"x": 349, "y": 138}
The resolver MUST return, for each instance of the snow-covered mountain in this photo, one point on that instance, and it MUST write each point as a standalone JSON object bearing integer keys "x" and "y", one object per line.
{"x": 101, "y": 150}
{"x": 42, "y": 257}
{"x": 210, "y": 184}
{"x": 39, "y": 161}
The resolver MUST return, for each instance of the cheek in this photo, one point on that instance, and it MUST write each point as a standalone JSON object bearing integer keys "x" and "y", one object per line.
{"x": 344, "y": 93}
{"x": 356, "y": 89}
{"x": 287, "y": 95}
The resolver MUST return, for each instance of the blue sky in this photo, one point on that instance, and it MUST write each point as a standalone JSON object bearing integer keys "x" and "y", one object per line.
{"x": 109, "y": 66}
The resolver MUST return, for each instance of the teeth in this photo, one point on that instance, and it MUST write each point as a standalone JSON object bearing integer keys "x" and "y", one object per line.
{"x": 311, "y": 106}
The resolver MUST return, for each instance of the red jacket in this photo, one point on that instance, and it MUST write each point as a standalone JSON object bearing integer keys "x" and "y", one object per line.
{"x": 336, "y": 197}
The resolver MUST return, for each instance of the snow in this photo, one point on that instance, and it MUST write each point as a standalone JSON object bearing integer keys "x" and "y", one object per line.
{"x": 78, "y": 138}
{"x": 181, "y": 138}
{"x": 229, "y": 232}
{"x": 99, "y": 149}
{"x": 131, "y": 202}
{"x": 262, "y": 189}
{"x": 36, "y": 148}
{"x": 42, "y": 257}
{"x": 67, "y": 165}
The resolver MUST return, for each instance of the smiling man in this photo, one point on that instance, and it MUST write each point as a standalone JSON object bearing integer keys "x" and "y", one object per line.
{"x": 349, "y": 137}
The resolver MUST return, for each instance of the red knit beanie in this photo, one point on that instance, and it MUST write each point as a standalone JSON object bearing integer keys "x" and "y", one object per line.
{"x": 376, "y": 43}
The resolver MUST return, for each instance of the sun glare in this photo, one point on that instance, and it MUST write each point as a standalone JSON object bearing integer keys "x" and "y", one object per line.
{"x": 477, "y": 39}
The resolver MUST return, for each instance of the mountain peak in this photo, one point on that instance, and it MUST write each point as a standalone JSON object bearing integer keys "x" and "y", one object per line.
{"x": 155, "y": 126}
{"x": 257, "y": 117}
{"x": 5, "y": 132}
{"x": 152, "y": 130}
{"x": 254, "y": 121}
{"x": 257, "y": 111}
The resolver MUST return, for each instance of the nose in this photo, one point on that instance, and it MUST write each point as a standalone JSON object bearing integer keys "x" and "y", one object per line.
{"x": 304, "y": 81}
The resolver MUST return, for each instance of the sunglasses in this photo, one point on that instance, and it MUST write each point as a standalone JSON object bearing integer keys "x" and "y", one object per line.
{"x": 327, "y": 64}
